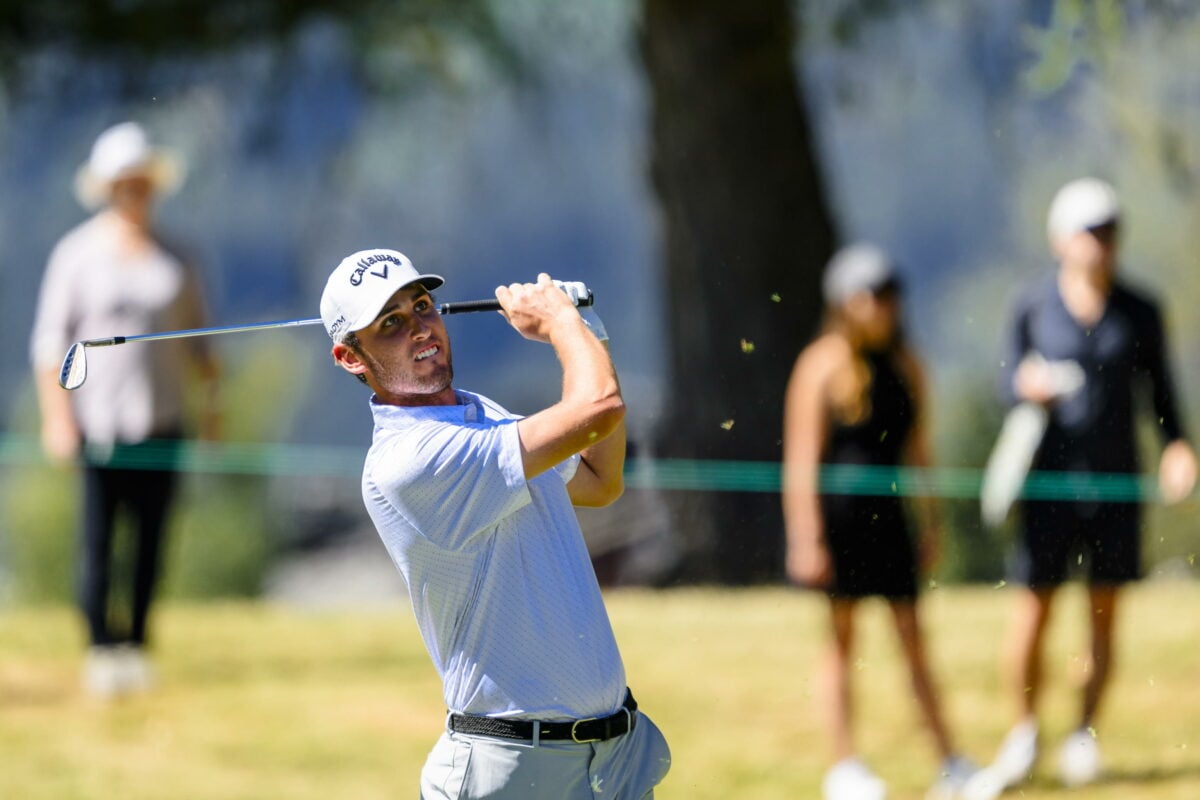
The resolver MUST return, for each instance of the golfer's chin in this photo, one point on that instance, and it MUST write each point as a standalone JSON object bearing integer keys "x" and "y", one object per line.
{"x": 420, "y": 390}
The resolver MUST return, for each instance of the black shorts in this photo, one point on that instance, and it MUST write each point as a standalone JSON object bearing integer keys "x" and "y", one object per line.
{"x": 1060, "y": 539}
{"x": 870, "y": 547}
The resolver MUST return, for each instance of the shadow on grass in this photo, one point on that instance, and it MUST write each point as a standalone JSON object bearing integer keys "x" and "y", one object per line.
{"x": 1145, "y": 775}
{"x": 1130, "y": 779}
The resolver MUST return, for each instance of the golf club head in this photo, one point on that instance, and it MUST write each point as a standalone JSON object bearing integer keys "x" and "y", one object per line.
{"x": 74, "y": 368}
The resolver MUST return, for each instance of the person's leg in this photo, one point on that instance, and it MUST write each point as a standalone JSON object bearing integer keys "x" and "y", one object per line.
{"x": 95, "y": 552}
{"x": 908, "y": 629}
{"x": 1115, "y": 546}
{"x": 835, "y": 677}
{"x": 476, "y": 767}
{"x": 1018, "y": 752}
{"x": 848, "y": 777}
{"x": 1103, "y": 617}
{"x": 1079, "y": 760}
{"x": 1025, "y": 644}
{"x": 151, "y": 496}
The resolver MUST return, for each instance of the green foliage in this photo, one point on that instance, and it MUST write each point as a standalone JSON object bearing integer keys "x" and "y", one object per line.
{"x": 220, "y": 544}
{"x": 38, "y": 522}
{"x": 1080, "y": 32}
{"x": 393, "y": 42}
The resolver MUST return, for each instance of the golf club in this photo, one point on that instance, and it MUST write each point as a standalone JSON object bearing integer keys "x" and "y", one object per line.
{"x": 74, "y": 367}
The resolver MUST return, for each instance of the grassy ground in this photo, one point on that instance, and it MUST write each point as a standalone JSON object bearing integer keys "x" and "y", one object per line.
{"x": 264, "y": 702}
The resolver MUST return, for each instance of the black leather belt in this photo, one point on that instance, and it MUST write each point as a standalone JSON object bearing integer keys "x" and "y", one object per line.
{"x": 580, "y": 731}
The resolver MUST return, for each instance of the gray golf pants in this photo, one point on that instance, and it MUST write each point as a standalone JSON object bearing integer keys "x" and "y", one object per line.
{"x": 475, "y": 767}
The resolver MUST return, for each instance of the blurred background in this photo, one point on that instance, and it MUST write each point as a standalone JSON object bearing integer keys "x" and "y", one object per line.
{"x": 694, "y": 161}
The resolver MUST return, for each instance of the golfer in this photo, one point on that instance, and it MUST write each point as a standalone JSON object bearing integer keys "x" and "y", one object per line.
{"x": 111, "y": 273}
{"x": 857, "y": 397}
{"x": 1082, "y": 313}
{"x": 474, "y": 505}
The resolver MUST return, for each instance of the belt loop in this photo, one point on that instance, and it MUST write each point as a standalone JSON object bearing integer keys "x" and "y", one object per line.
{"x": 537, "y": 733}
{"x": 449, "y": 721}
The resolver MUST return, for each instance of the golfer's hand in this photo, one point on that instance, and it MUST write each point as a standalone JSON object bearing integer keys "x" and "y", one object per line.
{"x": 808, "y": 562}
{"x": 535, "y": 309}
{"x": 578, "y": 292}
{"x": 1177, "y": 471}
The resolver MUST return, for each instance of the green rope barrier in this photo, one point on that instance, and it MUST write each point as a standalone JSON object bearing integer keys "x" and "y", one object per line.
{"x": 282, "y": 459}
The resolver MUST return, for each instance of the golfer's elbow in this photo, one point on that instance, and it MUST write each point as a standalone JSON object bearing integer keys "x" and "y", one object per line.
{"x": 598, "y": 488}
{"x": 606, "y": 416}
{"x": 599, "y": 413}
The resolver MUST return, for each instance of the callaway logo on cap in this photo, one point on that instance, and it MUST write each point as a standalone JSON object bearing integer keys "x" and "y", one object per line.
{"x": 359, "y": 286}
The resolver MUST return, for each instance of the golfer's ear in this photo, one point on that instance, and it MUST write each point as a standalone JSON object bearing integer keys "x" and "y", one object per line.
{"x": 348, "y": 359}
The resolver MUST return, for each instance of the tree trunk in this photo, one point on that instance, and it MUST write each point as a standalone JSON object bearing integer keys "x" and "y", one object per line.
{"x": 747, "y": 233}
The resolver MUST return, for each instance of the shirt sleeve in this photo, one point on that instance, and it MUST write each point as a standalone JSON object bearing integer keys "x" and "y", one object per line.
{"x": 1153, "y": 350}
{"x": 567, "y": 469}
{"x": 452, "y": 481}
{"x": 54, "y": 320}
{"x": 1017, "y": 344}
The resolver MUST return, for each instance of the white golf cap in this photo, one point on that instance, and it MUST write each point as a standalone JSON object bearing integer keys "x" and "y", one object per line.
{"x": 124, "y": 151}
{"x": 857, "y": 268}
{"x": 1081, "y": 205}
{"x": 359, "y": 286}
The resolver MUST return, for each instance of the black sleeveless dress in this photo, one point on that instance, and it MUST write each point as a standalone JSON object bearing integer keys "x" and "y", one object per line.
{"x": 868, "y": 537}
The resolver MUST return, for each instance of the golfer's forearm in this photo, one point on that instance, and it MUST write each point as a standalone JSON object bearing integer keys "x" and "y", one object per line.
{"x": 590, "y": 386}
{"x": 591, "y": 409}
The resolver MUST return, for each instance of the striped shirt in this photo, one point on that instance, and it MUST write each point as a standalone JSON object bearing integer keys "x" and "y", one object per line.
{"x": 500, "y": 581}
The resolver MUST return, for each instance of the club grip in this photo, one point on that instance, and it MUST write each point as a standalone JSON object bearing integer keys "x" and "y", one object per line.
{"x": 492, "y": 304}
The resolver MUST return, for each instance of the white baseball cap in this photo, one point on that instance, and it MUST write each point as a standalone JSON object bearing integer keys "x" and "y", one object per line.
{"x": 124, "y": 151}
{"x": 359, "y": 286}
{"x": 1081, "y": 205}
{"x": 857, "y": 268}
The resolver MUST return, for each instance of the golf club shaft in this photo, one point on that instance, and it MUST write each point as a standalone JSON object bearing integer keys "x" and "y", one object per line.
{"x": 460, "y": 307}
{"x": 153, "y": 337}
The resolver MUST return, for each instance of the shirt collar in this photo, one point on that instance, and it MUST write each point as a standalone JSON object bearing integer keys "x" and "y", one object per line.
{"x": 469, "y": 408}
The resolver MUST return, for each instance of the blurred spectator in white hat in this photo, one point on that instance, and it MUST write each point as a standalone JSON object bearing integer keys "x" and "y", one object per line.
{"x": 114, "y": 275}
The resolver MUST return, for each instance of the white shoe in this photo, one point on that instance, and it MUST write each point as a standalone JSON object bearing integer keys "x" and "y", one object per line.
{"x": 849, "y": 779}
{"x": 952, "y": 777}
{"x": 1079, "y": 759}
{"x": 1013, "y": 764}
{"x": 102, "y": 672}
{"x": 134, "y": 669}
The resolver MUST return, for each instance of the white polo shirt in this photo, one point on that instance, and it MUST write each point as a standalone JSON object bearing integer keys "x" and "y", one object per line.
{"x": 500, "y": 580}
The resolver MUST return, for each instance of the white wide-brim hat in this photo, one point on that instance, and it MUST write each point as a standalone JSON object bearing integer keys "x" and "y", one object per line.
{"x": 125, "y": 151}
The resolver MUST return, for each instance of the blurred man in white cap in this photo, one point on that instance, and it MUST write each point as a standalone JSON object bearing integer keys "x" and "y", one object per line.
{"x": 1082, "y": 313}
{"x": 474, "y": 505}
{"x": 113, "y": 275}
